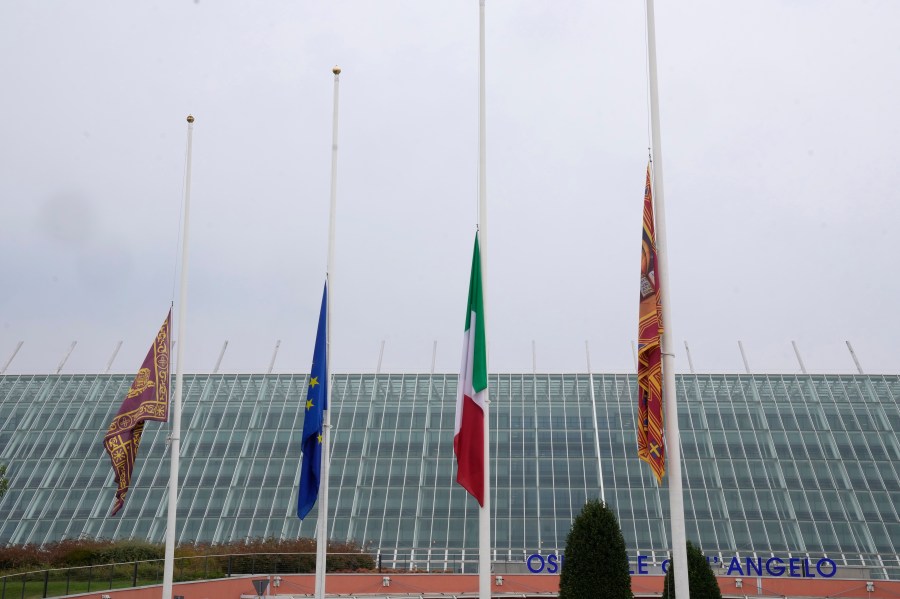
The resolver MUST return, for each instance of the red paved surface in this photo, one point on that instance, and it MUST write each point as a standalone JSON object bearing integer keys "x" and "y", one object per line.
{"x": 521, "y": 585}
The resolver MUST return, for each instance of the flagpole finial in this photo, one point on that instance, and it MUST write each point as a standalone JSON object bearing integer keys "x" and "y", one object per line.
{"x": 190, "y": 118}
{"x": 336, "y": 70}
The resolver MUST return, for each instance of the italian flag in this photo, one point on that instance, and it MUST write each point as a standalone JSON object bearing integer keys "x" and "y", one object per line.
{"x": 468, "y": 439}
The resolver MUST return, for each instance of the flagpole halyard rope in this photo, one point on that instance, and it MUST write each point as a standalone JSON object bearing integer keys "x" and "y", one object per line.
{"x": 484, "y": 515}
{"x": 184, "y": 177}
{"x": 175, "y": 434}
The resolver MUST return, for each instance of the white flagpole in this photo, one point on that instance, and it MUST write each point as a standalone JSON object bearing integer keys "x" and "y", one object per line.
{"x": 174, "y": 437}
{"x": 322, "y": 524}
{"x": 587, "y": 353}
{"x": 484, "y": 514}
{"x": 673, "y": 447}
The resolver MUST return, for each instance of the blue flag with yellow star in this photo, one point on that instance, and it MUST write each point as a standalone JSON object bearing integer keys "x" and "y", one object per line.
{"x": 316, "y": 404}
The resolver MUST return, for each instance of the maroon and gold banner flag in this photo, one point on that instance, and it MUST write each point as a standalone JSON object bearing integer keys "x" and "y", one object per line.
{"x": 148, "y": 399}
{"x": 651, "y": 446}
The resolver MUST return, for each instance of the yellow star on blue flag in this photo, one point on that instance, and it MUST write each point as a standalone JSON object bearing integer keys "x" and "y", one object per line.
{"x": 316, "y": 400}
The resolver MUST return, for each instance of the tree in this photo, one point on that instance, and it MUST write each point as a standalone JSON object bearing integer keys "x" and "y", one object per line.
{"x": 4, "y": 484}
{"x": 596, "y": 563}
{"x": 701, "y": 578}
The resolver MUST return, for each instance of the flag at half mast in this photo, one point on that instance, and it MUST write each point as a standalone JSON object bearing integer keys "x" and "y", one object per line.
{"x": 468, "y": 437}
{"x": 651, "y": 445}
{"x": 314, "y": 418}
{"x": 147, "y": 399}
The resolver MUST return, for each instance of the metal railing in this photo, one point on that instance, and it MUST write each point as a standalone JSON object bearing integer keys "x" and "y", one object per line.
{"x": 870, "y": 566}
{"x": 59, "y": 582}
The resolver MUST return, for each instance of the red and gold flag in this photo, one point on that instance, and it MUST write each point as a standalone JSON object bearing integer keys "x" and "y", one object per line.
{"x": 651, "y": 445}
{"x": 148, "y": 399}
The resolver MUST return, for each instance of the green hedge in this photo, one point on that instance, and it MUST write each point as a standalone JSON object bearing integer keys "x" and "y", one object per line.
{"x": 248, "y": 556}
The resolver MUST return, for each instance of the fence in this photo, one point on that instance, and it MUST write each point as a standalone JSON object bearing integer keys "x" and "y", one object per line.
{"x": 59, "y": 582}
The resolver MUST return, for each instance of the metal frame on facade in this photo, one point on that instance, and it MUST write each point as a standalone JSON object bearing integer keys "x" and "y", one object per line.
{"x": 774, "y": 464}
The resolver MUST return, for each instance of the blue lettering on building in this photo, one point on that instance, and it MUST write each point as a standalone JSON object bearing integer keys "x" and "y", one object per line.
{"x": 825, "y": 560}
{"x": 642, "y": 564}
{"x": 754, "y": 566}
{"x": 779, "y": 568}
{"x": 540, "y": 559}
{"x": 796, "y": 567}
{"x": 552, "y": 566}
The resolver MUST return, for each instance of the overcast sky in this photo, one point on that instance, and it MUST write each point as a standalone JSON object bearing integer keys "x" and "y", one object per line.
{"x": 780, "y": 134}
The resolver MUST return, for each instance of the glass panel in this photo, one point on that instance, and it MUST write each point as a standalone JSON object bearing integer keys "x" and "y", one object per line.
{"x": 772, "y": 463}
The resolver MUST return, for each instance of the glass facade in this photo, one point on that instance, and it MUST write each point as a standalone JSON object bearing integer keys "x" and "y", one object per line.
{"x": 773, "y": 464}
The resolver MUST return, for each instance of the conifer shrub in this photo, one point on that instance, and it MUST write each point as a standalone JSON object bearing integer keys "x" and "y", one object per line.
{"x": 596, "y": 562}
{"x": 701, "y": 578}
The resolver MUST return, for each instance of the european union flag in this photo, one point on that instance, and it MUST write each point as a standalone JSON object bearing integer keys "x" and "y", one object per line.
{"x": 316, "y": 404}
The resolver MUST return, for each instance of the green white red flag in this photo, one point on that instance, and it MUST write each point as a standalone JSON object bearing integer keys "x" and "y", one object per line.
{"x": 471, "y": 393}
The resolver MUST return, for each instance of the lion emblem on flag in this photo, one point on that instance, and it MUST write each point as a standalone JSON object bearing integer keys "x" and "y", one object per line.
{"x": 141, "y": 383}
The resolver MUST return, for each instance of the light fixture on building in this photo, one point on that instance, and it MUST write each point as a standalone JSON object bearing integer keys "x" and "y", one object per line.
{"x": 739, "y": 583}
{"x": 385, "y": 581}
{"x": 870, "y": 587}
{"x": 276, "y": 582}
{"x": 498, "y": 580}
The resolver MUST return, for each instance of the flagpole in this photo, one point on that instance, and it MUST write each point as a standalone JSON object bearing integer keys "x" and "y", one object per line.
{"x": 322, "y": 524}
{"x": 484, "y": 514}
{"x": 673, "y": 441}
{"x": 587, "y": 353}
{"x": 174, "y": 436}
